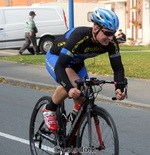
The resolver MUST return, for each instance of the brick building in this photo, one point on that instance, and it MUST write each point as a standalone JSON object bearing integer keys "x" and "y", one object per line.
{"x": 134, "y": 15}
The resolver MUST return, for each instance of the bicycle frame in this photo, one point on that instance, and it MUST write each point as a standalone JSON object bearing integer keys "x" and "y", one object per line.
{"x": 74, "y": 127}
{"x": 86, "y": 108}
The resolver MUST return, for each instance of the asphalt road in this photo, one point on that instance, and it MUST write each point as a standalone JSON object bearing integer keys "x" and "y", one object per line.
{"x": 17, "y": 103}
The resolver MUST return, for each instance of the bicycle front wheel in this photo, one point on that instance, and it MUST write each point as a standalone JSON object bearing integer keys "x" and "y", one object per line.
{"x": 101, "y": 137}
{"x": 42, "y": 141}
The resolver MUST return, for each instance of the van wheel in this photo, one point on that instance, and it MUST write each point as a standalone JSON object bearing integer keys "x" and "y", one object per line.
{"x": 45, "y": 44}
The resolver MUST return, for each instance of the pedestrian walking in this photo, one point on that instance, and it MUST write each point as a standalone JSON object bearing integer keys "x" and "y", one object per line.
{"x": 30, "y": 34}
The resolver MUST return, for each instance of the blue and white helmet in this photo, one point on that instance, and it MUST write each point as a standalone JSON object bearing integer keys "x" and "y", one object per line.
{"x": 105, "y": 18}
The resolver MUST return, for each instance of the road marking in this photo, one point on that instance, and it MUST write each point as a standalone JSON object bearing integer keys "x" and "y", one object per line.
{"x": 14, "y": 138}
{"x": 24, "y": 141}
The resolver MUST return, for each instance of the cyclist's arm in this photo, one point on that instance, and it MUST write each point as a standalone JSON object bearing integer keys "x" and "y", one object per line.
{"x": 118, "y": 69}
{"x": 60, "y": 67}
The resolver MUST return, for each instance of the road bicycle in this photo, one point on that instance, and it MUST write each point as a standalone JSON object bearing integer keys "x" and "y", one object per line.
{"x": 93, "y": 130}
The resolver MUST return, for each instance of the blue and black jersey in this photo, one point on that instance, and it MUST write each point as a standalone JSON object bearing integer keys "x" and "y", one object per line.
{"x": 78, "y": 44}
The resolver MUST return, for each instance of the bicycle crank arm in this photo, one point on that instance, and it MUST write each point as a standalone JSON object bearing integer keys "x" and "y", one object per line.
{"x": 51, "y": 139}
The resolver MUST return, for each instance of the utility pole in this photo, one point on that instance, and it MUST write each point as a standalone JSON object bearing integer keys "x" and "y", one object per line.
{"x": 71, "y": 14}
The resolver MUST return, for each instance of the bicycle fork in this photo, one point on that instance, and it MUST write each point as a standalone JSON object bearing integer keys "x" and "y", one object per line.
{"x": 98, "y": 130}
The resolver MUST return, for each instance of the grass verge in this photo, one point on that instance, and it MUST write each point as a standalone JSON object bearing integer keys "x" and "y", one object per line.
{"x": 136, "y": 64}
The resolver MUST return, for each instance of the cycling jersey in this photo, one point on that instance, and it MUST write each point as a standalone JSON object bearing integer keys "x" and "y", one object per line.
{"x": 75, "y": 46}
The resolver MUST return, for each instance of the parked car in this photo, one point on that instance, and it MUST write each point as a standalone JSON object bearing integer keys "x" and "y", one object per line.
{"x": 50, "y": 21}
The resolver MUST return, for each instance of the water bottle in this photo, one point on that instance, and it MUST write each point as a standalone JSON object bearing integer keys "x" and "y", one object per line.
{"x": 74, "y": 112}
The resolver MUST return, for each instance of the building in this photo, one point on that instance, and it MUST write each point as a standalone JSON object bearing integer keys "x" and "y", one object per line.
{"x": 134, "y": 15}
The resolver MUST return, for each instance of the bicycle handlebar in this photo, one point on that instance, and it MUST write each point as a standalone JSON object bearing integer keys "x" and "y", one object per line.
{"x": 95, "y": 82}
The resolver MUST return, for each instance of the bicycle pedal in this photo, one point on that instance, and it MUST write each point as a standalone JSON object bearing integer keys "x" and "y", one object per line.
{"x": 45, "y": 130}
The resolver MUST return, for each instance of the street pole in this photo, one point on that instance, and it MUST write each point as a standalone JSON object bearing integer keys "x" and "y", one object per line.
{"x": 71, "y": 14}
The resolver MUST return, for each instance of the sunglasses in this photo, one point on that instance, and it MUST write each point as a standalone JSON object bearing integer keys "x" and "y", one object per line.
{"x": 108, "y": 33}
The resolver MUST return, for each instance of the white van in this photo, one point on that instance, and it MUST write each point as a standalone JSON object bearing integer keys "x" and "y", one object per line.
{"x": 50, "y": 21}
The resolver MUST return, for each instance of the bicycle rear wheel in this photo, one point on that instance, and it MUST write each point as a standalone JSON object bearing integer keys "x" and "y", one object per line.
{"x": 42, "y": 141}
{"x": 104, "y": 137}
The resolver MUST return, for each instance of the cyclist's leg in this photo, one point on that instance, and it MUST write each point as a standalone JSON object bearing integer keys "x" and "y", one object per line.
{"x": 49, "y": 111}
{"x": 60, "y": 94}
{"x": 74, "y": 76}
{"x": 50, "y": 63}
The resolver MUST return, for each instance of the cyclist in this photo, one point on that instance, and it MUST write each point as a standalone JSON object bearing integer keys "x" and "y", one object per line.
{"x": 65, "y": 60}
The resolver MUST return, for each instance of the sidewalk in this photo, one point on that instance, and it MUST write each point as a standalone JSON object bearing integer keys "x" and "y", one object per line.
{"x": 138, "y": 90}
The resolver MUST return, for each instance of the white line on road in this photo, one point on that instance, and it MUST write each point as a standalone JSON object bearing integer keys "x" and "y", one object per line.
{"x": 21, "y": 140}
{"x": 44, "y": 147}
{"x": 14, "y": 138}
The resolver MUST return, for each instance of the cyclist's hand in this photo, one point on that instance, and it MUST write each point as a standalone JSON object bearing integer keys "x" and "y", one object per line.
{"x": 74, "y": 93}
{"x": 120, "y": 95}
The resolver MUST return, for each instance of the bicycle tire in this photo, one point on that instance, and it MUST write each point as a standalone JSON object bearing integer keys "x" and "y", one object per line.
{"x": 108, "y": 132}
{"x": 40, "y": 145}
